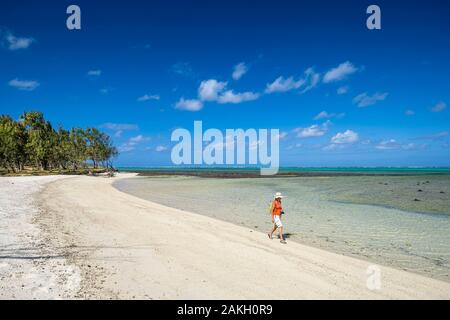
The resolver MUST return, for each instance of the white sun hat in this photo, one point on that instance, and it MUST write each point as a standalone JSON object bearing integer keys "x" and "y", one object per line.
{"x": 278, "y": 195}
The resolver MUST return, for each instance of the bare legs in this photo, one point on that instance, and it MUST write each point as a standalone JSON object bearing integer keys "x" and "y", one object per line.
{"x": 274, "y": 228}
{"x": 281, "y": 234}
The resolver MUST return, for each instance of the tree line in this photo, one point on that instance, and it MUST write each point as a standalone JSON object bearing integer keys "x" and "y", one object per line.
{"x": 33, "y": 142}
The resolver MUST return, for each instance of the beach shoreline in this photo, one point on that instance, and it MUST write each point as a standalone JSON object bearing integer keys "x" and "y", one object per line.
{"x": 255, "y": 175}
{"x": 233, "y": 173}
{"x": 124, "y": 247}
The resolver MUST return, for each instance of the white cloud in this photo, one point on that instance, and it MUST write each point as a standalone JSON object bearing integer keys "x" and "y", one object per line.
{"x": 131, "y": 143}
{"x": 440, "y": 106}
{"x": 436, "y": 136}
{"x": 105, "y": 90}
{"x": 283, "y": 85}
{"x": 393, "y": 144}
{"x": 189, "y": 104}
{"x": 209, "y": 90}
{"x": 333, "y": 146}
{"x": 342, "y": 90}
{"x": 294, "y": 146}
{"x": 25, "y": 85}
{"x": 410, "y": 112}
{"x": 160, "y": 148}
{"x": 119, "y": 126}
{"x": 348, "y": 136}
{"x": 213, "y": 90}
{"x": 183, "y": 69}
{"x": 440, "y": 135}
{"x": 312, "y": 79}
{"x": 138, "y": 139}
{"x": 147, "y": 97}
{"x": 414, "y": 146}
{"x": 125, "y": 148}
{"x": 341, "y": 140}
{"x": 312, "y": 131}
{"x": 94, "y": 73}
{"x": 230, "y": 97}
{"x": 282, "y": 135}
{"x": 341, "y": 72}
{"x": 322, "y": 115}
{"x": 365, "y": 100}
{"x": 388, "y": 145}
{"x": 16, "y": 43}
{"x": 326, "y": 115}
{"x": 239, "y": 70}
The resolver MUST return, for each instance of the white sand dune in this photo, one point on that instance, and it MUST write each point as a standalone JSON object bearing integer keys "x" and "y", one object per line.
{"x": 126, "y": 247}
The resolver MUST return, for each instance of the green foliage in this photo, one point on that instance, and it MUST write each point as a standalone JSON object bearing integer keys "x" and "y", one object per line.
{"x": 33, "y": 142}
{"x": 12, "y": 144}
{"x": 99, "y": 147}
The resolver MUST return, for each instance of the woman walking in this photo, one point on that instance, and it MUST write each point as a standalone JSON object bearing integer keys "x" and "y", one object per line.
{"x": 276, "y": 211}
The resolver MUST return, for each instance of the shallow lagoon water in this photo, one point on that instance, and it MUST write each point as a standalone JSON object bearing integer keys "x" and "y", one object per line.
{"x": 374, "y": 218}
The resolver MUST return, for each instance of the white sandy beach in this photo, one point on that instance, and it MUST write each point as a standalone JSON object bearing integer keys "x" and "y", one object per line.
{"x": 78, "y": 237}
{"x": 29, "y": 267}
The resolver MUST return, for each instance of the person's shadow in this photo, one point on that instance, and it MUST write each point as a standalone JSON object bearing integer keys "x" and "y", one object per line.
{"x": 287, "y": 235}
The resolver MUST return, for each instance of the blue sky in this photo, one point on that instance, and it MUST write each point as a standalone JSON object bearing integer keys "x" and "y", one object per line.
{"x": 341, "y": 95}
